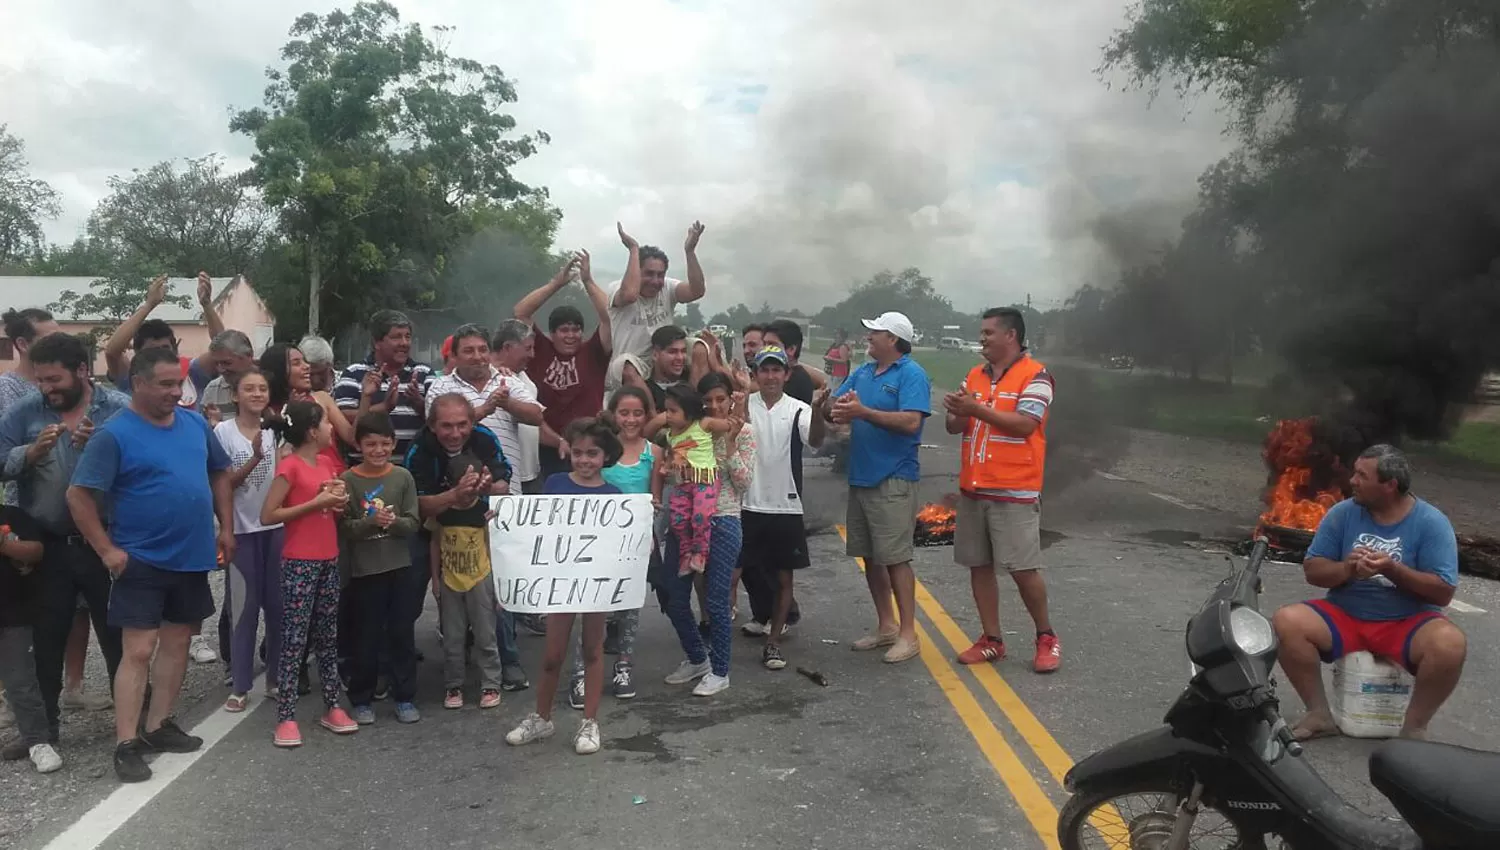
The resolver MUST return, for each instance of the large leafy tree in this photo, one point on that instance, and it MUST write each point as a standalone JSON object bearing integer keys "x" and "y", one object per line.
{"x": 1360, "y": 208}
{"x": 25, "y": 203}
{"x": 383, "y": 154}
{"x": 163, "y": 220}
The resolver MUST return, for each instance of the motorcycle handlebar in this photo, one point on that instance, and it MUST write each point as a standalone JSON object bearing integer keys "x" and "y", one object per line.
{"x": 1279, "y": 728}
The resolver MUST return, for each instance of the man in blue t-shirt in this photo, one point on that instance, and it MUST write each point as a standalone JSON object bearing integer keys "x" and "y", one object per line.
{"x": 1390, "y": 563}
{"x": 885, "y": 402}
{"x": 165, "y": 477}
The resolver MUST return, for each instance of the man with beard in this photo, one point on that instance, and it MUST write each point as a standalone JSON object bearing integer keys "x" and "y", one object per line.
{"x": 150, "y": 455}
{"x": 387, "y": 380}
{"x": 645, "y": 298}
{"x": 570, "y": 371}
{"x": 42, "y": 438}
{"x": 22, "y": 327}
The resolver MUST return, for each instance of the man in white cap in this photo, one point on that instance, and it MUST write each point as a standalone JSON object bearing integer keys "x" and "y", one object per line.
{"x": 886, "y": 401}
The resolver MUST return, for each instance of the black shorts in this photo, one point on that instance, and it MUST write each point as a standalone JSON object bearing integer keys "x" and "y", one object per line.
{"x": 773, "y": 542}
{"x": 143, "y": 597}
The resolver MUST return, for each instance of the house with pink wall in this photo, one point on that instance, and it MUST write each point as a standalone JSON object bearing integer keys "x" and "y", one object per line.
{"x": 234, "y": 299}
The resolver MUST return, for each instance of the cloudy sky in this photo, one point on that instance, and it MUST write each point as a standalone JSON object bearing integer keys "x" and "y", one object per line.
{"x": 819, "y": 141}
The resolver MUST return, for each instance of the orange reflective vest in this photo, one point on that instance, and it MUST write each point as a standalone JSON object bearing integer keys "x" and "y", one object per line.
{"x": 993, "y": 460}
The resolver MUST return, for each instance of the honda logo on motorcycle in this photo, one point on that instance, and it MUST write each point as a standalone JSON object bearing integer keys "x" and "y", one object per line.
{"x": 1253, "y": 805}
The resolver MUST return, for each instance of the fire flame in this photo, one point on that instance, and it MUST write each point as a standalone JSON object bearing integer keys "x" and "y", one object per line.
{"x": 1294, "y": 501}
{"x": 936, "y": 520}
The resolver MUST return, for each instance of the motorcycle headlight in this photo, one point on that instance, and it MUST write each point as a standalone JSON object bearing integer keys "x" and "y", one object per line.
{"x": 1252, "y": 633}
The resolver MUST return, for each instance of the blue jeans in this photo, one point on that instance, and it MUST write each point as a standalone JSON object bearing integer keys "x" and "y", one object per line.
{"x": 724, "y": 554}
{"x": 505, "y": 637}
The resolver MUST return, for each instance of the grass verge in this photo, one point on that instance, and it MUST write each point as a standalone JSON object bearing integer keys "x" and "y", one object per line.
{"x": 1202, "y": 409}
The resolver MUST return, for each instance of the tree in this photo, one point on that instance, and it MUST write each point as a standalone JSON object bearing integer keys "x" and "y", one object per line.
{"x": 162, "y": 220}
{"x": 25, "y": 202}
{"x": 381, "y": 153}
{"x": 692, "y": 317}
{"x": 199, "y": 218}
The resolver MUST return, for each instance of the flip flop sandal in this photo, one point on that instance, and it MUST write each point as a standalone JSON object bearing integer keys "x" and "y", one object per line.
{"x": 236, "y": 703}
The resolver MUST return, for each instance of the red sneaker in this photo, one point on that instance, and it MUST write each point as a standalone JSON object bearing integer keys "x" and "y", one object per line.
{"x": 339, "y": 722}
{"x": 984, "y": 649}
{"x": 287, "y": 735}
{"x": 1048, "y": 654}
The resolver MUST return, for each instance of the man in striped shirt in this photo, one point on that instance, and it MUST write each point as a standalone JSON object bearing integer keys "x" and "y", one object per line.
{"x": 387, "y": 380}
{"x": 501, "y": 404}
{"x": 1002, "y": 412}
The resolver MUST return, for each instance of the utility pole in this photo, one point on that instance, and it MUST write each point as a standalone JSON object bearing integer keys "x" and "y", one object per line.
{"x": 1028, "y": 301}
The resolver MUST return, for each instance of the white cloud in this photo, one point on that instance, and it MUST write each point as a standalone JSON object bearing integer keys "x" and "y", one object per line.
{"x": 818, "y": 141}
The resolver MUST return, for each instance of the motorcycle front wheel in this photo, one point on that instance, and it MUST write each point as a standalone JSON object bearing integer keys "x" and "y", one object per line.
{"x": 1142, "y": 818}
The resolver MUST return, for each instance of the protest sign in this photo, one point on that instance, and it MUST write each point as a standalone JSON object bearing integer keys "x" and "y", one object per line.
{"x": 570, "y": 554}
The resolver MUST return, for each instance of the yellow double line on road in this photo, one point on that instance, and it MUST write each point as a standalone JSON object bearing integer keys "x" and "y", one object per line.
{"x": 1027, "y": 791}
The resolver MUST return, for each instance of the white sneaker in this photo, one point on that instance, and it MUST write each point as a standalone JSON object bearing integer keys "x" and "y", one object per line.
{"x": 754, "y": 629}
{"x": 45, "y": 759}
{"x": 86, "y": 701}
{"x": 201, "y": 652}
{"x": 687, "y": 671}
{"x": 587, "y": 741}
{"x": 711, "y": 685}
{"x": 532, "y": 729}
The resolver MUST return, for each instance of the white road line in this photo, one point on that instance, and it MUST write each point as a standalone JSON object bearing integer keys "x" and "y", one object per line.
{"x": 1111, "y": 476}
{"x": 1176, "y": 501}
{"x": 1466, "y": 608}
{"x": 100, "y": 822}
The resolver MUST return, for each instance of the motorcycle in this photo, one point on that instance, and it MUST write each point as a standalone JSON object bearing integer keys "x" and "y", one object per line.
{"x": 1225, "y": 758}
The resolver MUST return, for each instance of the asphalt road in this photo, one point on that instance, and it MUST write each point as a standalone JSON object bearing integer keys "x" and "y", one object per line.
{"x": 921, "y": 755}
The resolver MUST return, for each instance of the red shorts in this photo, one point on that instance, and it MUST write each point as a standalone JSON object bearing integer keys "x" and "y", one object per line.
{"x": 1389, "y": 640}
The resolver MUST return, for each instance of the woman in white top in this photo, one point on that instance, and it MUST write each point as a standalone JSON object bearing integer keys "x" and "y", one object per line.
{"x": 254, "y": 579}
{"x": 735, "y": 453}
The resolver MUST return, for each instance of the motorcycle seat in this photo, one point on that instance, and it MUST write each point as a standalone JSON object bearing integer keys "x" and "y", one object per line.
{"x": 1449, "y": 795}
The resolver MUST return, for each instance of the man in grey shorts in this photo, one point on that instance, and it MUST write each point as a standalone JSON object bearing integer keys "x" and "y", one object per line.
{"x": 885, "y": 402}
{"x": 1002, "y": 413}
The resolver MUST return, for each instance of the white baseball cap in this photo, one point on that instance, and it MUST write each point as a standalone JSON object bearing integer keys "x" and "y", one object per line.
{"x": 892, "y": 322}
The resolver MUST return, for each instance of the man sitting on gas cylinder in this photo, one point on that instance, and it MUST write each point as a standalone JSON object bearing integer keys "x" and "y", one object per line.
{"x": 1390, "y": 563}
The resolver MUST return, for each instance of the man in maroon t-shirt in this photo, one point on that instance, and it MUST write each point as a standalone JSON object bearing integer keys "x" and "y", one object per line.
{"x": 568, "y": 370}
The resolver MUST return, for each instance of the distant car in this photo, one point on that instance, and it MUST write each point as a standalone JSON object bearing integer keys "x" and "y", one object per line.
{"x": 719, "y": 330}
{"x": 973, "y": 347}
{"x": 951, "y": 342}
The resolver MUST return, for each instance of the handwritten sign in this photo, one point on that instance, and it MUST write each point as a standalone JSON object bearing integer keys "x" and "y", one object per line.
{"x": 570, "y": 554}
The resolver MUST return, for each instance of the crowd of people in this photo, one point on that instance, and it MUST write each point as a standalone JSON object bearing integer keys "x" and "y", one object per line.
{"x": 336, "y": 500}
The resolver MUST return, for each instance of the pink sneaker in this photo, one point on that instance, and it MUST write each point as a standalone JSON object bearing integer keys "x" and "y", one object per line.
{"x": 339, "y": 722}
{"x": 287, "y": 734}
{"x": 489, "y": 699}
{"x": 453, "y": 699}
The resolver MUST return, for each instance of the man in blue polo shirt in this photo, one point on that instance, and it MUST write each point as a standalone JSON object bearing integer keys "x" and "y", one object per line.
{"x": 885, "y": 402}
{"x": 165, "y": 476}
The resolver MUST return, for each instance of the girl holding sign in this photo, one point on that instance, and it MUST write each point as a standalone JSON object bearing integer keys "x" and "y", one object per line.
{"x": 631, "y": 473}
{"x": 593, "y": 445}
